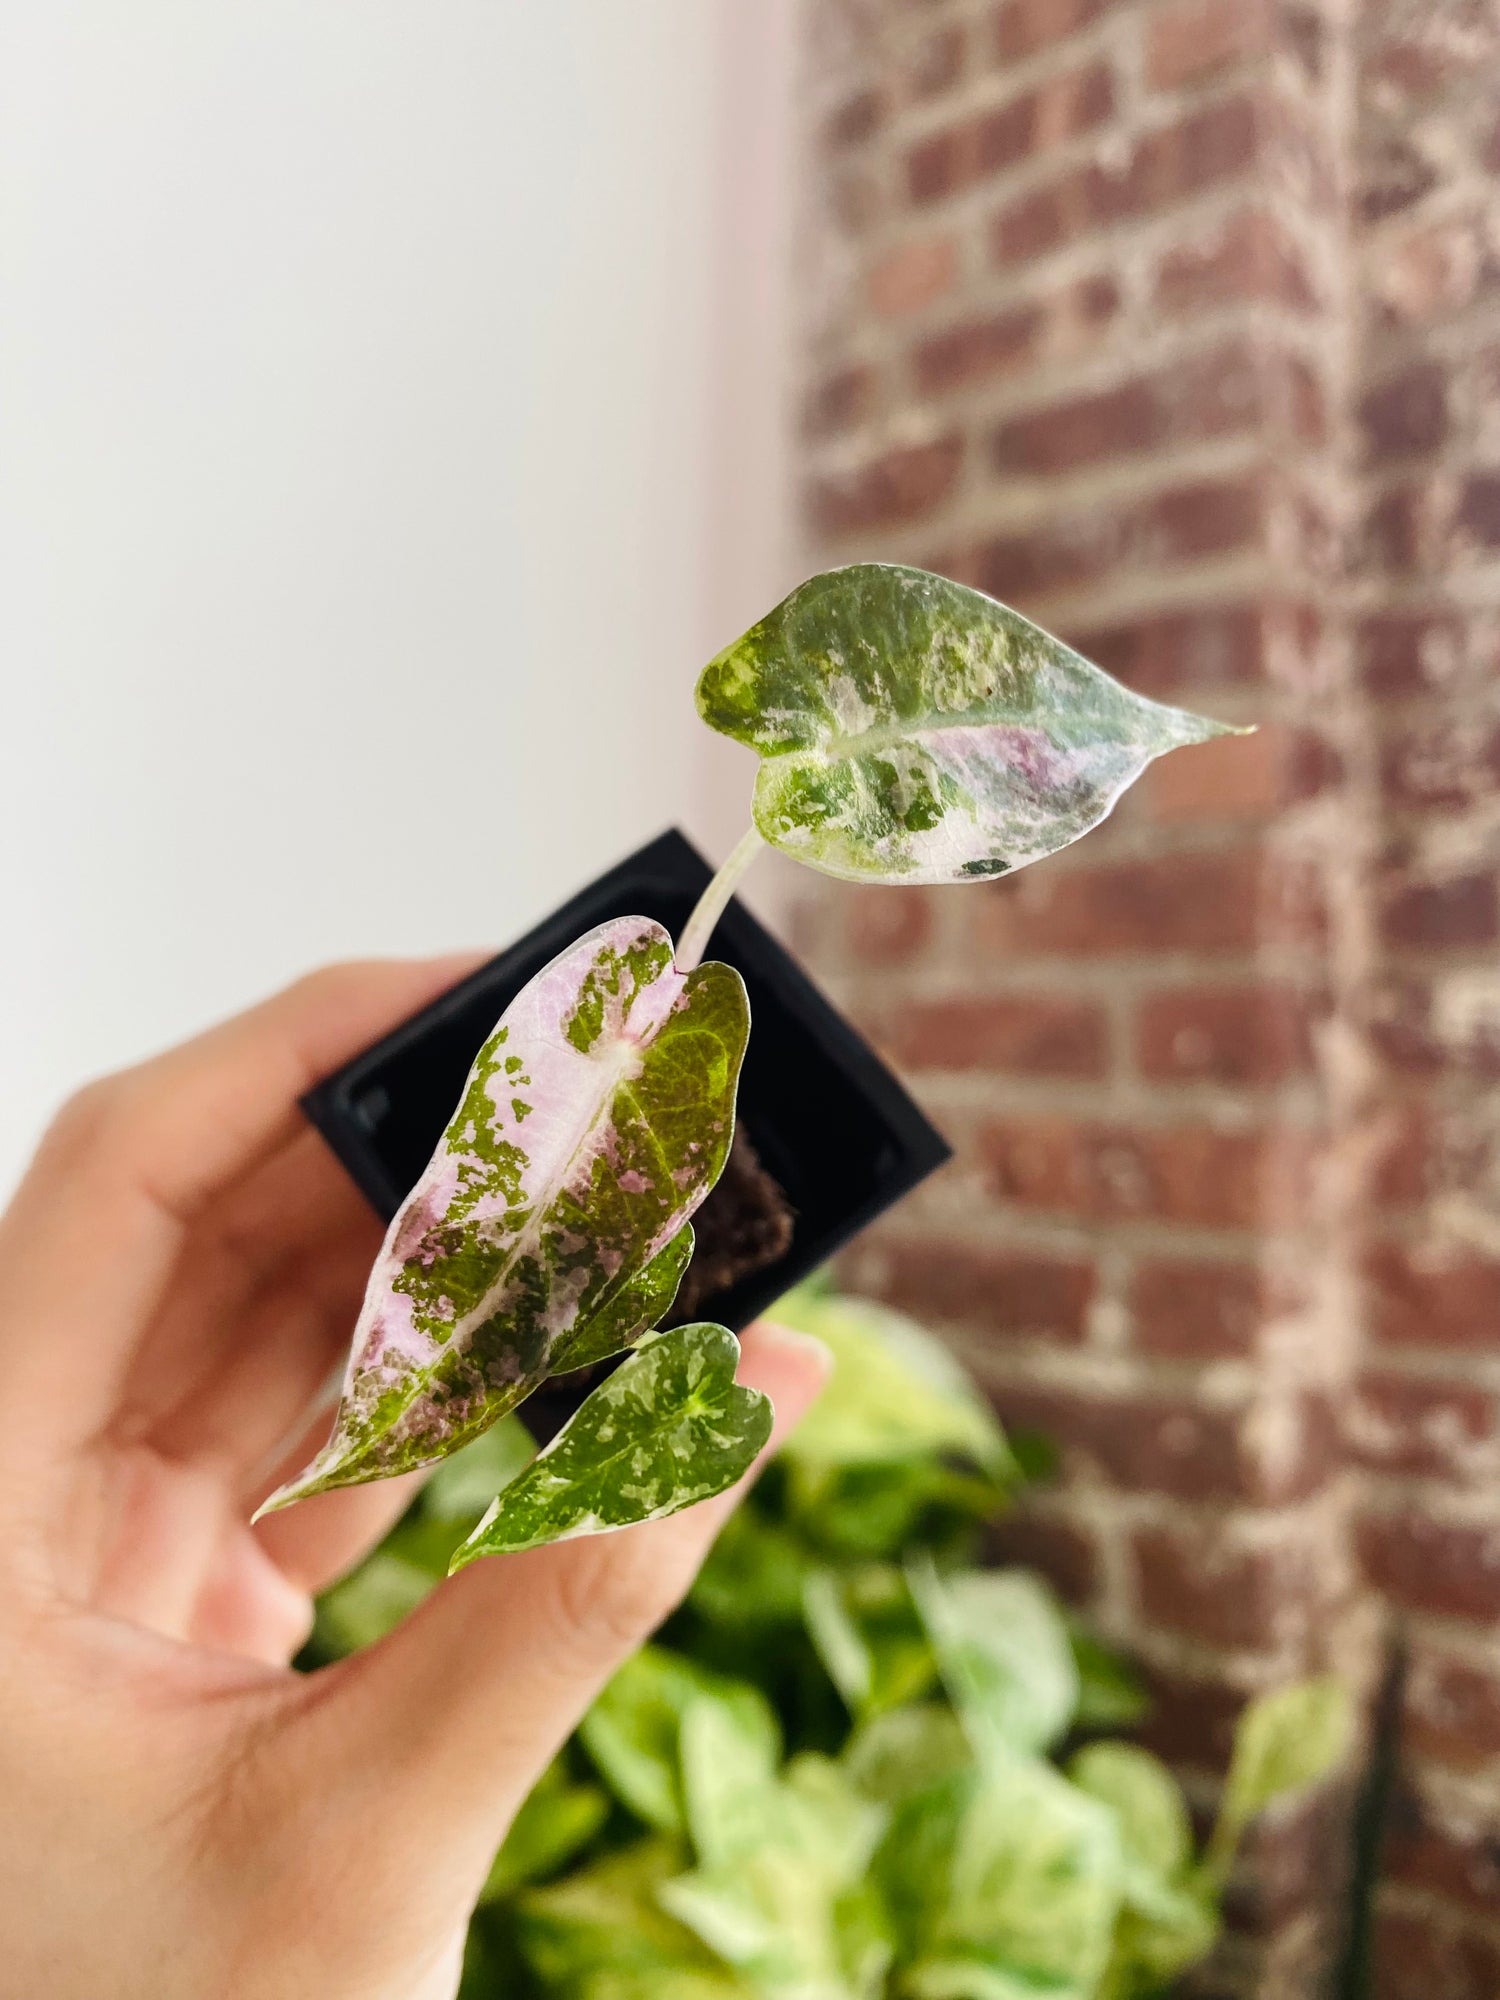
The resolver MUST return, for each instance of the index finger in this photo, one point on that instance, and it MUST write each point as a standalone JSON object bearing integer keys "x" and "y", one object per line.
{"x": 96, "y": 1226}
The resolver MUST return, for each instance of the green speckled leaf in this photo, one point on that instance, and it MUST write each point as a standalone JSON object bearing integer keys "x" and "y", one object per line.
{"x": 670, "y": 1427}
{"x": 549, "y": 1226}
{"x": 913, "y": 730}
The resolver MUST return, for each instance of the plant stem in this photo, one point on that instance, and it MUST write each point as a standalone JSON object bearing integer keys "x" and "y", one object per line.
{"x": 710, "y": 905}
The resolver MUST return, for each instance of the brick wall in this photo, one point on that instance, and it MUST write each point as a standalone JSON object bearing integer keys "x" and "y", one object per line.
{"x": 1173, "y": 322}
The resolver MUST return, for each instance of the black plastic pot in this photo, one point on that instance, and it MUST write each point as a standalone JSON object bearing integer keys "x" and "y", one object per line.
{"x": 828, "y": 1120}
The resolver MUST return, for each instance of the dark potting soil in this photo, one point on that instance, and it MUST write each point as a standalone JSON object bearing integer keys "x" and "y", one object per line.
{"x": 744, "y": 1224}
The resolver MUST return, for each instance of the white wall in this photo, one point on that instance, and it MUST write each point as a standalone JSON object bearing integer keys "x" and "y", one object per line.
{"x": 387, "y": 433}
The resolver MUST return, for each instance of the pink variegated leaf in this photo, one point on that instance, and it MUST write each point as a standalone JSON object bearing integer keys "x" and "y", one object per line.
{"x": 550, "y": 1226}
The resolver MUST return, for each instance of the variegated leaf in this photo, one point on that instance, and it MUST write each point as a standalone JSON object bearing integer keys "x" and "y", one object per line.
{"x": 549, "y": 1227}
{"x": 670, "y": 1427}
{"x": 913, "y": 730}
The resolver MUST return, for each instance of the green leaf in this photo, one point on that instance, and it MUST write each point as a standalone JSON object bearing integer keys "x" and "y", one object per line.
{"x": 643, "y": 1302}
{"x": 895, "y": 1393}
{"x": 904, "y": 1751}
{"x": 601, "y": 1934}
{"x": 837, "y": 1639}
{"x": 557, "y": 1820}
{"x": 370, "y": 1602}
{"x": 1004, "y": 1651}
{"x": 753, "y": 1577}
{"x": 1147, "y": 1803}
{"x": 728, "y": 1759}
{"x": 633, "y": 1731}
{"x": 464, "y": 1485}
{"x": 1285, "y": 1742}
{"x": 1111, "y": 1694}
{"x": 670, "y": 1427}
{"x": 595, "y": 1119}
{"x": 913, "y": 730}
{"x": 866, "y": 1632}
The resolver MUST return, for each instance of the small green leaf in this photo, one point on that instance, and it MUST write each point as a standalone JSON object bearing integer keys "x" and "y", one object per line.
{"x": 837, "y": 1639}
{"x": 642, "y": 1304}
{"x": 1146, "y": 1801}
{"x": 913, "y": 730}
{"x": 728, "y": 1761}
{"x": 633, "y": 1731}
{"x": 904, "y": 1751}
{"x": 1111, "y": 1694}
{"x": 670, "y": 1427}
{"x": 895, "y": 1392}
{"x": 1286, "y": 1741}
{"x": 1004, "y": 1651}
{"x": 557, "y": 1819}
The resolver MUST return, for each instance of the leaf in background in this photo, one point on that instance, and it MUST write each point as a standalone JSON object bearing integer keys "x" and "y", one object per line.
{"x": 595, "y": 1119}
{"x": 370, "y": 1602}
{"x": 913, "y": 730}
{"x": 837, "y": 1639}
{"x": 753, "y": 1577}
{"x": 1035, "y": 1883}
{"x": 633, "y": 1730}
{"x": 557, "y": 1819}
{"x": 728, "y": 1758}
{"x": 866, "y": 1632}
{"x": 1285, "y": 1742}
{"x": 905, "y": 1751}
{"x": 1004, "y": 1652}
{"x": 602, "y": 1935}
{"x": 1147, "y": 1803}
{"x": 464, "y": 1485}
{"x": 777, "y": 1900}
{"x": 670, "y": 1427}
{"x": 1111, "y": 1694}
{"x": 895, "y": 1392}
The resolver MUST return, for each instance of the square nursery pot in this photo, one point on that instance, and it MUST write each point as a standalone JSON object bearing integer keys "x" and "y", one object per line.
{"x": 826, "y": 1121}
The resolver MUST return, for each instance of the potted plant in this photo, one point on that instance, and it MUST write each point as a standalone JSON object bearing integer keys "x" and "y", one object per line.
{"x": 909, "y": 731}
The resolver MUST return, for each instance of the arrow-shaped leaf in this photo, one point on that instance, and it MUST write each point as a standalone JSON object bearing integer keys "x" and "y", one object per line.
{"x": 913, "y": 730}
{"x": 548, "y": 1228}
{"x": 670, "y": 1427}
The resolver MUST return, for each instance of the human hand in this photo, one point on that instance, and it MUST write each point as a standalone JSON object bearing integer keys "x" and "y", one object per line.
{"x": 186, "y": 1818}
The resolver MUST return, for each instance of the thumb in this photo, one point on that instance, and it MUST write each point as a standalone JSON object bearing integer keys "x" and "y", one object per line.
{"x": 442, "y": 1728}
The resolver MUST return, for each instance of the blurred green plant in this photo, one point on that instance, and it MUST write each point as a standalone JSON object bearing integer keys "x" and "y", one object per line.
{"x": 854, "y": 1766}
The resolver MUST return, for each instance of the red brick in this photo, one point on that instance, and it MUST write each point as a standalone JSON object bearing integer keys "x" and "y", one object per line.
{"x": 1424, "y": 1957}
{"x": 1452, "y": 1707}
{"x": 1064, "y": 1554}
{"x": 1449, "y": 1568}
{"x": 1396, "y": 175}
{"x": 1053, "y": 1037}
{"x": 854, "y": 121}
{"x": 888, "y": 926}
{"x": 1180, "y": 1173}
{"x": 1192, "y": 1582}
{"x": 1464, "y": 910}
{"x": 1175, "y": 162}
{"x": 1402, "y": 653}
{"x": 1164, "y": 655}
{"x": 1479, "y": 508}
{"x": 901, "y": 485}
{"x": 1191, "y": 1722}
{"x": 1179, "y": 902}
{"x": 977, "y": 350}
{"x": 1189, "y": 1311}
{"x": 1247, "y": 1034}
{"x": 1430, "y": 1300}
{"x": 840, "y": 401}
{"x": 1193, "y": 39}
{"x": 913, "y": 276}
{"x": 1239, "y": 777}
{"x": 1250, "y": 257}
{"x": 940, "y": 165}
{"x": 1423, "y": 1855}
{"x": 1406, "y": 413}
{"x": 1421, "y": 1427}
{"x": 1205, "y": 396}
{"x": 1208, "y": 517}
{"x": 936, "y": 64}
{"x": 1037, "y": 222}
{"x": 1023, "y": 27}
{"x": 1173, "y": 1445}
{"x": 1448, "y": 764}
{"x": 994, "y": 1292}
{"x": 1067, "y": 104}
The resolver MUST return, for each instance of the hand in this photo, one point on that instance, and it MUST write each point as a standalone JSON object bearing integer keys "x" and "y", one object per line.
{"x": 184, "y": 1817}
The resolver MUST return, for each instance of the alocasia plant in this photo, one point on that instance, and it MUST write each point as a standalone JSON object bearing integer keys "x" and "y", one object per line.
{"x": 909, "y": 730}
